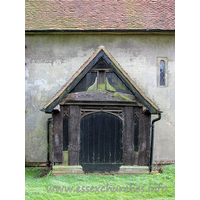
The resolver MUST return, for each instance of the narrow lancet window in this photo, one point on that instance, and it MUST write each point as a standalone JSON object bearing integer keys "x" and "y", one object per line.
{"x": 65, "y": 133}
{"x": 162, "y": 72}
{"x": 136, "y": 134}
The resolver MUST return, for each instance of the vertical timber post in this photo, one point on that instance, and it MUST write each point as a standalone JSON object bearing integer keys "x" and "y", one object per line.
{"x": 74, "y": 135}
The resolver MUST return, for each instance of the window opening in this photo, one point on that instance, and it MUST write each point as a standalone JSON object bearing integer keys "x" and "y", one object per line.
{"x": 162, "y": 72}
{"x": 136, "y": 134}
{"x": 65, "y": 134}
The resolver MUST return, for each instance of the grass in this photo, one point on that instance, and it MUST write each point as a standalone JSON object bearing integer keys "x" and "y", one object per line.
{"x": 80, "y": 185}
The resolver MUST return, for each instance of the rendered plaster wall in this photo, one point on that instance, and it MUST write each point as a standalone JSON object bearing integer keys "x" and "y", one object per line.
{"x": 51, "y": 60}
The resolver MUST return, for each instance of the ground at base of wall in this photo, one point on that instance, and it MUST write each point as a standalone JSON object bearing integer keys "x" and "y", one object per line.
{"x": 35, "y": 164}
{"x": 77, "y": 169}
{"x": 158, "y": 166}
{"x": 65, "y": 169}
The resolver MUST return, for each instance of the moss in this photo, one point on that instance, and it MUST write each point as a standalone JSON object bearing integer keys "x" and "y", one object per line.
{"x": 117, "y": 84}
{"x": 93, "y": 87}
{"x": 65, "y": 157}
{"x": 109, "y": 87}
{"x": 106, "y": 86}
{"x": 101, "y": 87}
{"x": 126, "y": 98}
{"x": 122, "y": 97}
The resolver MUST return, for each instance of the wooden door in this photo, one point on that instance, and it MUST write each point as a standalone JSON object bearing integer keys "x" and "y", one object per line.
{"x": 100, "y": 142}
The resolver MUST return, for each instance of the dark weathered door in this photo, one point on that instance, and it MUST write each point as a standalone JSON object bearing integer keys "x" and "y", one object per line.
{"x": 100, "y": 142}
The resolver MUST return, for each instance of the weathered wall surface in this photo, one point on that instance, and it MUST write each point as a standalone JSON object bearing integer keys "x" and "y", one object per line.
{"x": 52, "y": 59}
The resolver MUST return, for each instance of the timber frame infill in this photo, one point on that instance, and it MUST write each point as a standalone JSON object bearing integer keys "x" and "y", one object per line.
{"x": 116, "y": 111}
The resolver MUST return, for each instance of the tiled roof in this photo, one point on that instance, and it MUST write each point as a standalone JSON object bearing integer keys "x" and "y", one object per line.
{"x": 100, "y": 15}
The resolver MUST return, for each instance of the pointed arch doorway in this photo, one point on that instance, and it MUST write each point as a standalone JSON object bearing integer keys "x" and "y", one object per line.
{"x": 101, "y": 142}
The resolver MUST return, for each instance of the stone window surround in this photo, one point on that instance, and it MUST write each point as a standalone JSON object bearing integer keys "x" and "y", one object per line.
{"x": 165, "y": 59}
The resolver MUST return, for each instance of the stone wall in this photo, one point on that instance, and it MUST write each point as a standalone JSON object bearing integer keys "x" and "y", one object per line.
{"x": 51, "y": 60}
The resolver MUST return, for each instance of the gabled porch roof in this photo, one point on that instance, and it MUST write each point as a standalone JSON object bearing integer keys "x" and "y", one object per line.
{"x": 100, "y": 53}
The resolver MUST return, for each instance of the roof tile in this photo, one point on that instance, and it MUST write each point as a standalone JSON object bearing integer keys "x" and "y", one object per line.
{"x": 100, "y": 14}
